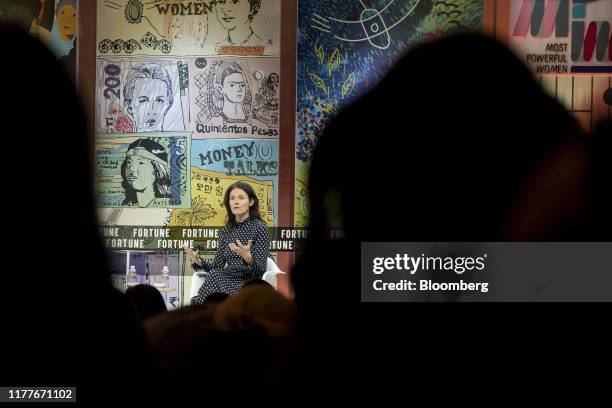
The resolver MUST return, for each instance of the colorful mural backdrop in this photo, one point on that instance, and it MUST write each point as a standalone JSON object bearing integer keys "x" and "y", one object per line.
{"x": 189, "y": 28}
{"x": 564, "y": 36}
{"x": 568, "y": 44}
{"x": 344, "y": 49}
{"x": 187, "y": 102}
{"x": 53, "y": 22}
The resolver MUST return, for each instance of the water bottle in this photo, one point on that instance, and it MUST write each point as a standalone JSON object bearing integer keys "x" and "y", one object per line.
{"x": 165, "y": 277}
{"x": 132, "y": 279}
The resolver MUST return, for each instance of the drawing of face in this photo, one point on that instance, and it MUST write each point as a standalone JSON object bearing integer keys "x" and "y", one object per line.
{"x": 234, "y": 87}
{"x": 67, "y": 22}
{"x": 149, "y": 104}
{"x": 139, "y": 173}
{"x": 273, "y": 82}
{"x": 233, "y": 13}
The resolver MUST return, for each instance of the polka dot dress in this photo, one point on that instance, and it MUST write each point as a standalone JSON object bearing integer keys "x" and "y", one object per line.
{"x": 228, "y": 271}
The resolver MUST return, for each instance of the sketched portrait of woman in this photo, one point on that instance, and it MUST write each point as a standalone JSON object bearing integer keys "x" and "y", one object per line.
{"x": 148, "y": 96}
{"x": 229, "y": 95}
{"x": 236, "y": 16}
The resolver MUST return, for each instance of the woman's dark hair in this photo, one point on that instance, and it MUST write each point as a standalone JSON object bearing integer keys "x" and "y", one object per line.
{"x": 255, "y": 6}
{"x": 253, "y": 210}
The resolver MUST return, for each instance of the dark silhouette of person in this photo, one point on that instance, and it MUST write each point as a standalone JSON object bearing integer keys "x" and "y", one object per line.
{"x": 63, "y": 323}
{"x": 229, "y": 353}
{"x": 69, "y": 62}
{"x": 147, "y": 301}
{"x": 216, "y": 298}
{"x": 597, "y": 217}
{"x": 20, "y": 12}
{"x": 448, "y": 147}
{"x": 34, "y": 16}
{"x": 476, "y": 128}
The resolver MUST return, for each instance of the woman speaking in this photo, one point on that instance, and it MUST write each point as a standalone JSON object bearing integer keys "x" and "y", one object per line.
{"x": 243, "y": 246}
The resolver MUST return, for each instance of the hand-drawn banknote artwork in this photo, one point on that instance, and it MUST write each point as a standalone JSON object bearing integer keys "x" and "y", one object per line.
{"x": 256, "y": 159}
{"x": 190, "y": 31}
{"x": 215, "y": 164}
{"x": 235, "y": 98}
{"x": 142, "y": 95}
{"x": 208, "y": 189}
{"x": 243, "y": 157}
{"x": 145, "y": 170}
{"x": 266, "y": 103}
{"x": 346, "y": 46}
{"x": 237, "y": 18}
{"x": 188, "y": 28}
